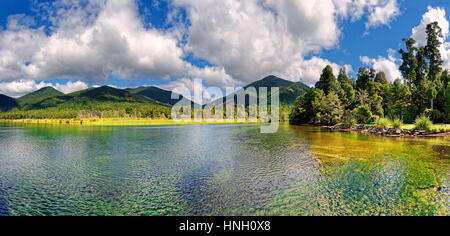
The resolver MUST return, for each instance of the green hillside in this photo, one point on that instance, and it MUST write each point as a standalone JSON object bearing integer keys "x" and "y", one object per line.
{"x": 270, "y": 81}
{"x": 108, "y": 102}
{"x": 289, "y": 94}
{"x": 102, "y": 102}
{"x": 40, "y": 95}
{"x": 7, "y": 103}
{"x": 109, "y": 94}
{"x": 156, "y": 94}
{"x": 289, "y": 91}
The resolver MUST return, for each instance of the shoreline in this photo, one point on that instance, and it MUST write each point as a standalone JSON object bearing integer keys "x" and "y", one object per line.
{"x": 391, "y": 132}
{"x": 120, "y": 122}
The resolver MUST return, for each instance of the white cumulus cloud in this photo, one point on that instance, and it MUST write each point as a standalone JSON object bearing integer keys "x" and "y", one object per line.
{"x": 419, "y": 32}
{"x": 89, "y": 42}
{"x": 22, "y": 87}
{"x": 387, "y": 65}
{"x": 243, "y": 41}
{"x": 382, "y": 12}
{"x": 251, "y": 39}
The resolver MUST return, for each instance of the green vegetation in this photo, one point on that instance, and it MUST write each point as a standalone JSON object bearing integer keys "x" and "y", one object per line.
{"x": 7, "y": 103}
{"x": 102, "y": 102}
{"x": 140, "y": 103}
{"x": 363, "y": 115}
{"x": 156, "y": 94}
{"x": 40, "y": 95}
{"x": 383, "y": 122}
{"x": 423, "y": 123}
{"x": 370, "y": 97}
{"x": 349, "y": 123}
{"x": 289, "y": 91}
{"x": 397, "y": 123}
{"x": 359, "y": 176}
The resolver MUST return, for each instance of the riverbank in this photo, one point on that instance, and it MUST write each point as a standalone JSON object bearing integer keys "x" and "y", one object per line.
{"x": 406, "y": 130}
{"x": 119, "y": 122}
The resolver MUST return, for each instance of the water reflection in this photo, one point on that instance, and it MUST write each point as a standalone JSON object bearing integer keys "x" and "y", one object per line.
{"x": 218, "y": 170}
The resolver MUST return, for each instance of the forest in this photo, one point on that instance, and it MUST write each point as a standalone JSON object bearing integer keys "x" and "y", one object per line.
{"x": 422, "y": 94}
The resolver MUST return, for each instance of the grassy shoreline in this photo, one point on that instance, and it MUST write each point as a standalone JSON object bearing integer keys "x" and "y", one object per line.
{"x": 120, "y": 122}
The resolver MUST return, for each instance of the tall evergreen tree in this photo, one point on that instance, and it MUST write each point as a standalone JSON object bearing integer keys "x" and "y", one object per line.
{"x": 347, "y": 93}
{"x": 420, "y": 86}
{"x": 365, "y": 77}
{"x": 446, "y": 78}
{"x": 409, "y": 65}
{"x": 432, "y": 50}
{"x": 433, "y": 54}
{"x": 328, "y": 82}
{"x": 343, "y": 77}
{"x": 381, "y": 78}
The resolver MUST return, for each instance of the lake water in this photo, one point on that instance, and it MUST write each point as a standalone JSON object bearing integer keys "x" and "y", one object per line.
{"x": 219, "y": 170}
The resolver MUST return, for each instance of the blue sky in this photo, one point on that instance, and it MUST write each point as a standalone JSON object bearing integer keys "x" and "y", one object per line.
{"x": 355, "y": 43}
{"x": 225, "y": 45}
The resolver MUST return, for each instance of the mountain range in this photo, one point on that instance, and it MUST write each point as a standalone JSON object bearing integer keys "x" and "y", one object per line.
{"x": 49, "y": 97}
{"x": 289, "y": 91}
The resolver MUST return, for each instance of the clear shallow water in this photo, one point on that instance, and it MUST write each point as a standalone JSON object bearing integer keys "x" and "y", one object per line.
{"x": 219, "y": 170}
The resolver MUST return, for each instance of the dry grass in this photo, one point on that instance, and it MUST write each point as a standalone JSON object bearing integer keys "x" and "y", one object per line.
{"x": 121, "y": 122}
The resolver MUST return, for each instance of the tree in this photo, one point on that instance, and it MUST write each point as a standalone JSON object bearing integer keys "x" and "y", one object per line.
{"x": 446, "y": 108}
{"x": 317, "y": 108}
{"x": 327, "y": 82}
{"x": 376, "y": 105}
{"x": 381, "y": 78}
{"x": 363, "y": 115}
{"x": 422, "y": 68}
{"x": 446, "y": 79}
{"x": 307, "y": 109}
{"x": 432, "y": 50}
{"x": 426, "y": 85}
{"x": 433, "y": 54}
{"x": 409, "y": 64}
{"x": 365, "y": 79}
{"x": 398, "y": 102}
{"x": 347, "y": 93}
{"x": 381, "y": 87}
{"x": 421, "y": 85}
{"x": 332, "y": 110}
{"x": 343, "y": 77}
{"x": 363, "y": 97}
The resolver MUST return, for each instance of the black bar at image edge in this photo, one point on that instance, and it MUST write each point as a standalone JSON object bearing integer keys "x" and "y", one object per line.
{"x": 219, "y": 225}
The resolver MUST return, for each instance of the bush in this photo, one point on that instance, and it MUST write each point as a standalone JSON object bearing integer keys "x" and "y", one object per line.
{"x": 435, "y": 115}
{"x": 423, "y": 123}
{"x": 348, "y": 123}
{"x": 363, "y": 115}
{"x": 383, "y": 122}
{"x": 397, "y": 123}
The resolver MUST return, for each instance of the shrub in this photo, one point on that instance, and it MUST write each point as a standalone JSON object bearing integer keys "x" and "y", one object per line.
{"x": 383, "y": 122}
{"x": 363, "y": 115}
{"x": 423, "y": 123}
{"x": 349, "y": 123}
{"x": 397, "y": 123}
{"x": 435, "y": 115}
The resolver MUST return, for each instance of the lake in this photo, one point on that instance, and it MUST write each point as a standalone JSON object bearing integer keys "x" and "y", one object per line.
{"x": 219, "y": 170}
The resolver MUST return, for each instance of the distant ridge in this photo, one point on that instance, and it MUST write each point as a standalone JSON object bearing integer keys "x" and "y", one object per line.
{"x": 107, "y": 101}
{"x": 7, "y": 103}
{"x": 110, "y": 94}
{"x": 270, "y": 81}
{"x": 289, "y": 91}
{"x": 156, "y": 94}
{"x": 95, "y": 95}
{"x": 40, "y": 95}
